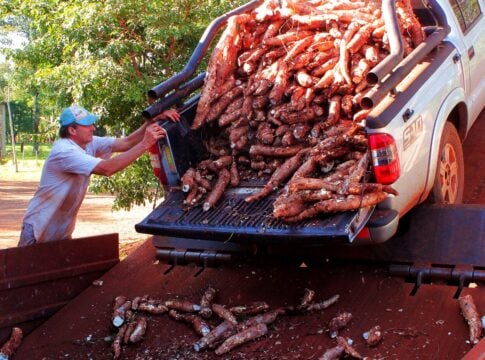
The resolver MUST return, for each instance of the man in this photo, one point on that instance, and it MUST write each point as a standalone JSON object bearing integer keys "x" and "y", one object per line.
{"x": 51, "y": 214}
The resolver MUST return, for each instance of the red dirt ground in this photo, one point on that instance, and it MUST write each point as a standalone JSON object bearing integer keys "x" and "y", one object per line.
{"x": 95, "y": 216}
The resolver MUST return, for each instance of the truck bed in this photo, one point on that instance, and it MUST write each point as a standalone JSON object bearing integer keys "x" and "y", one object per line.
{"x": 427, "y": 325}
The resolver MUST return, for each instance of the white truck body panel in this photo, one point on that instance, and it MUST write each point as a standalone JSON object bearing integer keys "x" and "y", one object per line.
{"x": 475, "y": 56}
{"x": 418, "y": 139}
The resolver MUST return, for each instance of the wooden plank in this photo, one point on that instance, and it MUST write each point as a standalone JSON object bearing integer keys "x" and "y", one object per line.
{"x": 38, "y": 280}
{"x": 477, "y": 352}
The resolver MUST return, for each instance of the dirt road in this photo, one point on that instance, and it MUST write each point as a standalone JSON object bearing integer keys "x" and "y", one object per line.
{"x": 95, "y": 216}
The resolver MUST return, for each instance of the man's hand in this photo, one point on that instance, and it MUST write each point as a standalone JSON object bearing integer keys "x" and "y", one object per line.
{"x": 153, "y": 133}
{"x": 170, "y": 114}
{"x": 130, "y": 152}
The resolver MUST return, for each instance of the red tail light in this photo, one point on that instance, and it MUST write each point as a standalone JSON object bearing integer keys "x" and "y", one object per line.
{"x": 384, "y": 158}
{"x": 364, "y": 234}
{"x": 156, "y": 161}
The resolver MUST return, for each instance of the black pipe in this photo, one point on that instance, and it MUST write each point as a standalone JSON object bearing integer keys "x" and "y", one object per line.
{"x": 199, "y": 52}
{"x": 396, "y": 44}
{"x": 391, "y": 107}
{"x": 175, "y": 97}
{"x": 375, "y": 94}
{"x": 438, "y": 13}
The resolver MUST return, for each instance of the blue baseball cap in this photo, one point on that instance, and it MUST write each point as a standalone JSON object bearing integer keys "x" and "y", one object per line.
{"x": 77, "y": 114}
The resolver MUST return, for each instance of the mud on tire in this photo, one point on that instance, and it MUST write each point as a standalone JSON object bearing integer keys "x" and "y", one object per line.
{"x": 449, "y": 179}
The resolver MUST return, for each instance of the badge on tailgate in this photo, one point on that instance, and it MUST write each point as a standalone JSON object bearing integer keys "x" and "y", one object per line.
{"x": 412, "y": 132}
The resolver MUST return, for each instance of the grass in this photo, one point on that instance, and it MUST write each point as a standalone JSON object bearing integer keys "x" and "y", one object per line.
{"x": 28, "y": 151}
{"x": 29, "y": 166}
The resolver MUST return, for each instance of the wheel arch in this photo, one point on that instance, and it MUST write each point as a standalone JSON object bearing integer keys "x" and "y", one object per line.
{"x": 454, "y": 110}
{"x": 458, "y": 116}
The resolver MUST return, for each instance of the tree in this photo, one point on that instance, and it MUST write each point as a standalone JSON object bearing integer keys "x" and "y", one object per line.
{"x": 21, "y": 117}
{"x": 18, "y": 27}
{"x": 105, "y": 55}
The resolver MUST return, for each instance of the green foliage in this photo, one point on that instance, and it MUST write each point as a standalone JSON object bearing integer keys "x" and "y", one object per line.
{"x": 136, "y": 185}
{"x": 21, "y": 118}
{"x": 5, "y": 68}
{"x": 103, "y": 55}
{"x": 47, "y": 132}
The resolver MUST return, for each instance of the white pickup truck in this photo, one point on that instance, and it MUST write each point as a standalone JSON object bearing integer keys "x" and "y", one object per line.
{"x": 431, "y": 111}
{"x": 422, "y": 108}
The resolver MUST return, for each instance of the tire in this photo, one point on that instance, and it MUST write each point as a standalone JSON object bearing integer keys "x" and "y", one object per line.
{"x": 449, "y": 179}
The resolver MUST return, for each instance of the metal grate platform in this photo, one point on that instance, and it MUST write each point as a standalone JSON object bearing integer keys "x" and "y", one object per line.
{"x": 236, "y": 220}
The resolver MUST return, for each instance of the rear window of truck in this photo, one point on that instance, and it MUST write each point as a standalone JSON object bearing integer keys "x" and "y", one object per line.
{"x": 466, "y": 11}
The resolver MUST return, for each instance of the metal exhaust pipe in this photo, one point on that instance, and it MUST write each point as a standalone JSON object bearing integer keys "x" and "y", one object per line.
{"x": 199, "y": 52}
{"x": 174, "y": 97}
{"x": 375, "y": 94}
{"x": 396, "y": 44}
{"x": 438, "y": 13}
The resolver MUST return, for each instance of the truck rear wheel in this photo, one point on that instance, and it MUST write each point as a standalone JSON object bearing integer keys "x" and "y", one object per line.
{"x": 450, "y": 172}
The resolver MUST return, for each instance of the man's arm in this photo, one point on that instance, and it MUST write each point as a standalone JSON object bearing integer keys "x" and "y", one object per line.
{"x": 126, "y": 143}
{"x": 152, "y": 134}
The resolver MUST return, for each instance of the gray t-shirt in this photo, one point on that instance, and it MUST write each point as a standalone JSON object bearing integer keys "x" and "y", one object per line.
{"x": 63, "y": 184}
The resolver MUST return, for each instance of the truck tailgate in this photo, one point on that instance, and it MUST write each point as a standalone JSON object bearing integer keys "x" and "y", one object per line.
{"x": 233, "y": 219}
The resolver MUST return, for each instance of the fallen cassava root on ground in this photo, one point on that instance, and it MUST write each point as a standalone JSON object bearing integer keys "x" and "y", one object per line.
{"x": 237, "y": 324}
{"x": 281, "y": 101}
{"x": 223, "y": 328}
{"x": 8, "y": 349}
{"x": 472, "y": 317}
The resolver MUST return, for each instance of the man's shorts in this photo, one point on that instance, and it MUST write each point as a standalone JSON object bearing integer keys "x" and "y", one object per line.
{"x": 27, "y": 235}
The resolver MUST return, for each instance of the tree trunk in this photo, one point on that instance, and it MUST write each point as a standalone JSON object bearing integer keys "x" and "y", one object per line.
{"x": 36, "y": 120}
{"x": 3, "y": 130}
{"x": 12, "y": 136}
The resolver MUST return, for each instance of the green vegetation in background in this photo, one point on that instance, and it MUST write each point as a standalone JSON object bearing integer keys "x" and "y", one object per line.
{"x": 28, "y": 151}
{"x": 21, "y": 118}
{"x": 103, "y": 56}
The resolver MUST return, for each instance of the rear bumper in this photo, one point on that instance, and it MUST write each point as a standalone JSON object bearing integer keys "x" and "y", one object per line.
{"x": 381, "y": 226}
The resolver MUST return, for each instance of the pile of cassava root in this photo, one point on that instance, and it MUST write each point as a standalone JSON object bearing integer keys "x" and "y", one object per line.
{"x": 280, "y": 101}
{"x": 237, "y": 325}
{"x": 222, "y": 328}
